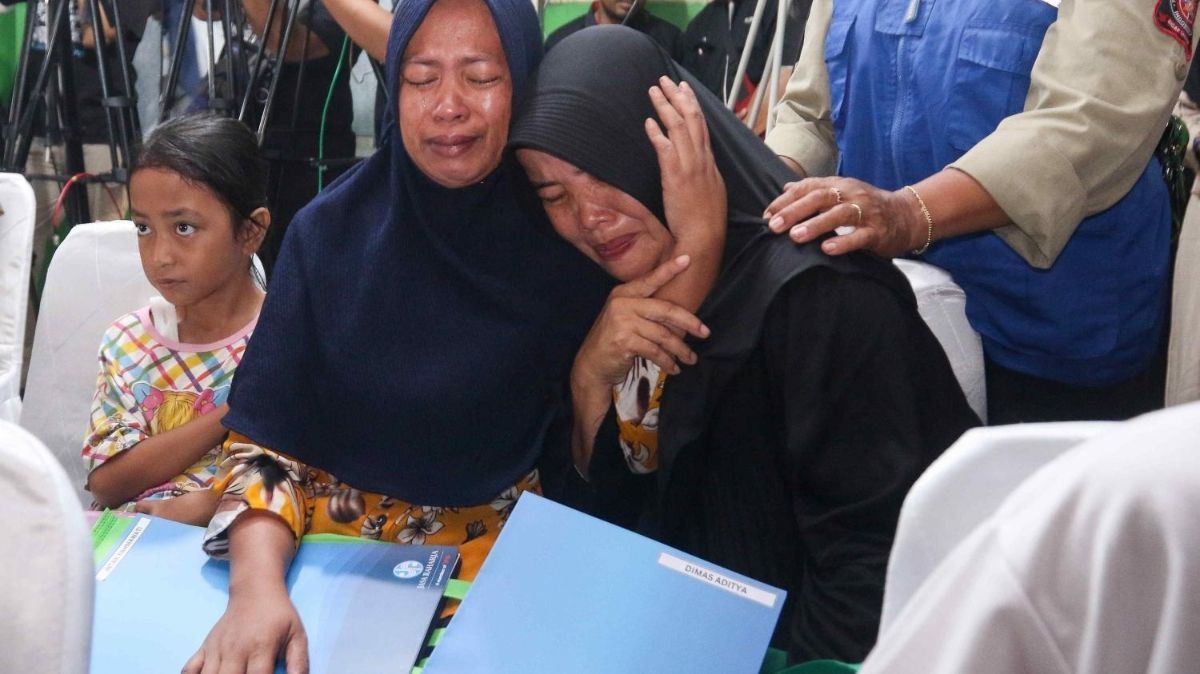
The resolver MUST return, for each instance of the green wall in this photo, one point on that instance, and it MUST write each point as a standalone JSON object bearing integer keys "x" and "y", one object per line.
{"x": 12, "y": 33}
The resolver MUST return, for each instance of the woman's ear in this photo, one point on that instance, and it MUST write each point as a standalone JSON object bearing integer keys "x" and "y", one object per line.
{"x": 252, "y": 236}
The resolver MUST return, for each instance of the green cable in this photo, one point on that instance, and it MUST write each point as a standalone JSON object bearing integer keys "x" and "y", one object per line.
{"x": 325, "y": 112}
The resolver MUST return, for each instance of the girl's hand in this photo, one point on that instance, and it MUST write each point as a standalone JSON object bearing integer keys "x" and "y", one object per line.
{"x": 196, "y": 507}
{"x": 256, "y": 628}
{"x": 693, "y": 190}
{"x": 633, "y": 324}
{"x": 886, "y": 223}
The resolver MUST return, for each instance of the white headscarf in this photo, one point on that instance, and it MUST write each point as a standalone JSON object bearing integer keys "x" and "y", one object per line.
{"x": 1092, "y": 566}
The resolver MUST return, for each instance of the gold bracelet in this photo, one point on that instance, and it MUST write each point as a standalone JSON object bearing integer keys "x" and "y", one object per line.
{"x": 928, "y": 221}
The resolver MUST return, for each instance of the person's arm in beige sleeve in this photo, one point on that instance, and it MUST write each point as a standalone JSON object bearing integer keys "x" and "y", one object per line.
{"x": 365, "y": 22}
{"x": 1092, "y": 117}
{"x": 803, "y": 132}
{"x": 1094, "y": 113}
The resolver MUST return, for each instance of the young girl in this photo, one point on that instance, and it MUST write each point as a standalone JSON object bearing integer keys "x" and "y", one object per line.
{"x": 199, "y": 204}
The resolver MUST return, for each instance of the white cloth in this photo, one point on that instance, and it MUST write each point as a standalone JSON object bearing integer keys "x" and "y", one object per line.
{"x": 45, "y": 563}
{"x": 166, "y": 319}
{"x": 1092, "y": 566}
{"x": 963, "y": 488}
{"x": 943, "y": 305}
{"x": 1183, "y": 354}
{"x": 17, "y": 210}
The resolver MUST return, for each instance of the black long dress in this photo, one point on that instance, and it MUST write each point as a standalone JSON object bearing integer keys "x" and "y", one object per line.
{"x": 786, "y": 451}
{"x": 789, "y": 461}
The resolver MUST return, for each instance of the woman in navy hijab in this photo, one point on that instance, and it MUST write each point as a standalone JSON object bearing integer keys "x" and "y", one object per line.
{"x": 415, "y": 340}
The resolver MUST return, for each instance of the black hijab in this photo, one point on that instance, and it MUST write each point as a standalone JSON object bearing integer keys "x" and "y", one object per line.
{"x": 415, "y": 338}
{"x": 586, "y": 108}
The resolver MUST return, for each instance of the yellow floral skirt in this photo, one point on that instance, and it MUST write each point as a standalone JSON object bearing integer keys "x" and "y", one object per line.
{"x": 311, "y": 501}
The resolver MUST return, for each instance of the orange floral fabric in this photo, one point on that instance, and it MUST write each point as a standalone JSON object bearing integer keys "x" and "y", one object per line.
{"x": 311, "y": 501}
{"x": 636, "y": 402}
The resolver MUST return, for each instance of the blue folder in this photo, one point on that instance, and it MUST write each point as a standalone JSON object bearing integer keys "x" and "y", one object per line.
{"x": 366, "y": 607}
{"x": 562, "y": 592}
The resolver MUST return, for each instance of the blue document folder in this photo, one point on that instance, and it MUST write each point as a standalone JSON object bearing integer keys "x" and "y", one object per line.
{"x": 562, "y": 592}
{"x": 366, "y": 607}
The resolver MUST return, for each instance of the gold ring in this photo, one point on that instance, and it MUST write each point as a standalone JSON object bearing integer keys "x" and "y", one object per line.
{"x": 837, "y": 195}
{"x": 857, "y": 208}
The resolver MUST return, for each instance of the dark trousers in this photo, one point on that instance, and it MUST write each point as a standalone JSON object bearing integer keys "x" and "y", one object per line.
{"x": 1014, "y": 397}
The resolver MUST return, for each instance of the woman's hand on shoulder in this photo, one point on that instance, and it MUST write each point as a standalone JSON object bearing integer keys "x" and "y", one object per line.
{"x": 886, "y": 223}
{"x": 257, "y": 627}
{"x": 634, "y": 324}
{"x": 693, "y": 189}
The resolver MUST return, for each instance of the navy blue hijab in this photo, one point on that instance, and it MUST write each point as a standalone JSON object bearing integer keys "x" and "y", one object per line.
{"x": 415, "y": 339}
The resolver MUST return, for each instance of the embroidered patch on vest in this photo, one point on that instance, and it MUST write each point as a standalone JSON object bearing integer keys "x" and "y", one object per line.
{"x": 1176, "y": 18}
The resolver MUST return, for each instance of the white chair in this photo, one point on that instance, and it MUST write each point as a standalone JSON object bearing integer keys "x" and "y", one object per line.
{"x": 95, "y": 277}
{"x": 961, "y": 489}
{"x": 17, "y": 213}
{"x": 943, "y": 305}
{"x": 46, "y": 582}
{"x": 1089, "y": 566}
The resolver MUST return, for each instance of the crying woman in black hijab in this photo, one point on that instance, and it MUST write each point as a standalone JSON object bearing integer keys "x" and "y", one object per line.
{"x": 768, "y": 413}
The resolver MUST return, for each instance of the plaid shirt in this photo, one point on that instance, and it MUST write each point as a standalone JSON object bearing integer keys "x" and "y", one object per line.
{"x": 148, "y": 384}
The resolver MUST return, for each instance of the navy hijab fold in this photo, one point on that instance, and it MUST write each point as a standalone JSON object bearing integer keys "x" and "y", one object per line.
{"x": 415, "y": 339}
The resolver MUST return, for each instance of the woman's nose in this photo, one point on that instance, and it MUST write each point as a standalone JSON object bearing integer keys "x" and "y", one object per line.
{"x": 449, "y": 106}
{"x": 593, "y": 215}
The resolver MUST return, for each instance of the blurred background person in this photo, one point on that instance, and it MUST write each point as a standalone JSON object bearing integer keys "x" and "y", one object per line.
{"x": 632, "y": 13}
{"x": 86, "y": 121}
{"x": 716, "y": 38}
{"x": 312, "y": 116}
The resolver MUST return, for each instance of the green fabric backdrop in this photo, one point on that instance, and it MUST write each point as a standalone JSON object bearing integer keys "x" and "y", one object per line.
{"x": 678, "y": 13}
{"x": 12, "y": 32}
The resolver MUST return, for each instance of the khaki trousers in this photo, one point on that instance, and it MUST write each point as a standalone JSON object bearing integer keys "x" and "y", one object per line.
{"x": 96, "y": 159}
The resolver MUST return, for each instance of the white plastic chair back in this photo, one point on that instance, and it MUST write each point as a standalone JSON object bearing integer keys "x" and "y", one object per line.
{"x": 961, "y": 489}
{"x": 95, "y": 277}
{"x": 46, "y": 582}
{"x": 943, "y": 305}
{"x": 17, "y": 213}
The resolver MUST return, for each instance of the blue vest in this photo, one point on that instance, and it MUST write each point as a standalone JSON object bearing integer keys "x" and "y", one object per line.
{"x": 914, "y": 84}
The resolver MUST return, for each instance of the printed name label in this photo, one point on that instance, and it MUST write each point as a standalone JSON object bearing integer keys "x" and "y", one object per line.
{"x": 717, "y": 580}
{"x": 123, "y": 548}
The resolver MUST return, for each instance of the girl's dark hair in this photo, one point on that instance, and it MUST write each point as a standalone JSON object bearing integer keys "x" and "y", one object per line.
{"x": 218, "y": 152}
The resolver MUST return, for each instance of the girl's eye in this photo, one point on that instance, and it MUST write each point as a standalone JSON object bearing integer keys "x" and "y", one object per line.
{"x": 418, "y": 82}
{"x": 185, "y": 229}
{"x": 142, "y": 230}
{"x": 483, "y": 81}
{"x": 552, "y": 197}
